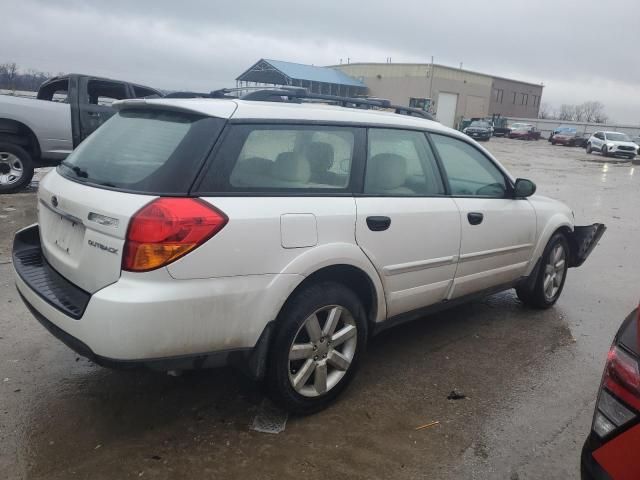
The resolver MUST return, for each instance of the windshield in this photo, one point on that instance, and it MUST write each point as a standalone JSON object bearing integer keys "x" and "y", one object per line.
{"x": 567, "y": 131}
{"x": 148, "y": 151}
{"x": 480, "y": 124}
{"x": 618, "y": 137}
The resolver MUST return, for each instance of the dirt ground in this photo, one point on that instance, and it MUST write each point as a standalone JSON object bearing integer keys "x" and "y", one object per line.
{"x": 529, "y": 377}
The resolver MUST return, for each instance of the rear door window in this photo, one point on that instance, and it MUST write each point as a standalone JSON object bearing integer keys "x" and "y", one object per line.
{"x": 144, "y": 151}
{"x": 277, "y": 158}
{"x": 400, "y": 163}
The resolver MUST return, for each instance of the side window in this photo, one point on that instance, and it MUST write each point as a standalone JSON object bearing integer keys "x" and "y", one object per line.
{"x": 469, "y": 171}
{"x": 267, "y": 158}
{"x": 55, "y": 91}
{"x": 599, "y": 135}
{"x": 401, "y": 163}
{"x": 141, "y": 92}
{"x": 100, "y": 92}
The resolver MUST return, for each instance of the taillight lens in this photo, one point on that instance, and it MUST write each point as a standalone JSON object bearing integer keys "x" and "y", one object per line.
{"x": 168, "y": 228}
{"x": 622, "y": 376}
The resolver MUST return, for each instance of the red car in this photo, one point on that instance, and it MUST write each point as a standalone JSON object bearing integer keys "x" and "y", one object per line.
{"x": 612, "y": 450}
{"x": 524, "y": 131}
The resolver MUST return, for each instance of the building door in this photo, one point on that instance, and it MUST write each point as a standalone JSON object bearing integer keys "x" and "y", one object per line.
{"x": 446, "y": 109}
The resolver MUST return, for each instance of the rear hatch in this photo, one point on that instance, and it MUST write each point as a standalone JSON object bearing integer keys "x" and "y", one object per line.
{"x": 84, "y": 207}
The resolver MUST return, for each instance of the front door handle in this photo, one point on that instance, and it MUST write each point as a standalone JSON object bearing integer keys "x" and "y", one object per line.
{"x": 378, "y": 224}
{"x": 475, "y": 218}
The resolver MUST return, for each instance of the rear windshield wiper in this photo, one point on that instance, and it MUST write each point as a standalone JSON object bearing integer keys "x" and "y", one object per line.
{"x": 76, "y": 169}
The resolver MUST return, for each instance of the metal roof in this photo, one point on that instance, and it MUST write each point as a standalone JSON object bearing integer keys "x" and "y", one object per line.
{"x": 299, "y": 71}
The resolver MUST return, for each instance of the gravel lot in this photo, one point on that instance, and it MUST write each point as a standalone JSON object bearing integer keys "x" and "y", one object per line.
{"x": 530, "y": 377}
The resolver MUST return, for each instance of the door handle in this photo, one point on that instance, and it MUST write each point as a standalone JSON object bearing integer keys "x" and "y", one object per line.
{"x": 94, "y": 114}
{"x": 378, "y": 224}
{"x": 475, "y": 218}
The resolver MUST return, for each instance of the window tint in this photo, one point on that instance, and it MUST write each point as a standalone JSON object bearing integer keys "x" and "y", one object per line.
{"x": 144, "y": 151}
{"x": 100, "y": 92}
{"x": 400, "y": 163}
{"x": 469, "y": 171}
{"x": 141, "y": 92}
{"x": 280, "y": 157}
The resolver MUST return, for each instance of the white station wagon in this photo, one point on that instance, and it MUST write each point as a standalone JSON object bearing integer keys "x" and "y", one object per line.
{"x": 277, "y": 236}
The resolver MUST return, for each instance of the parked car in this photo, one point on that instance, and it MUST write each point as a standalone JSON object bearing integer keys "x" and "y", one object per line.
{"x": 636, "y": 140}
{"x": 278, "y": 237}
{"x": 612, "y": 144}
{"x": 479, "y": 130}
{"x": 41, "y": 132}
{"x": 524, "y": 131}
{"x": 611, "y": 449}
{"x": 567, "y": 136}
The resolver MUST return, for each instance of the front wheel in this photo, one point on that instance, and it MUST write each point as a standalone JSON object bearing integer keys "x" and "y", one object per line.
{"x": 551, "y": 275}
{"x": 604, "y": 151}
{"x": 321, "y": 335}
{"x": 589, "y": 150}
{"x": 16, "y": 168}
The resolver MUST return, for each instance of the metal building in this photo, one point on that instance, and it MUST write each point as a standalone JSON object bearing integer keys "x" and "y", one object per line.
{"x": 317, "y": 79}
{"x": 450, "y": 93}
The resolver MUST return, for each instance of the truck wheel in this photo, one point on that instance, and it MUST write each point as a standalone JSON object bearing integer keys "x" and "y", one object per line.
{"x": 589, "y": 150}
{"x": 551, "y": 275}
{"x": 321, "y": 335}
{"x": 16, "y": 168}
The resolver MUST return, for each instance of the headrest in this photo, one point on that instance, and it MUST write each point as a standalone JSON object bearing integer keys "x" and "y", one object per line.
{"x": 292, "y": 168}
{"x": 320, "y": 156}
{"x": 387, "y": 171}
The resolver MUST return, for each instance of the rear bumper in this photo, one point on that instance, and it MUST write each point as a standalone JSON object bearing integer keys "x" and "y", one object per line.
{"x": 155, "y": 320}
{"x": 590, "y": 469}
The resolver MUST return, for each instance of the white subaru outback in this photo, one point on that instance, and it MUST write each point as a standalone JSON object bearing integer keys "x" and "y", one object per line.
{"x": 278, "y": 237}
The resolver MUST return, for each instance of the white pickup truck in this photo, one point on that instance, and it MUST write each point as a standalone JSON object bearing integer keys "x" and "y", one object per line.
{"x": 42, "y": 132}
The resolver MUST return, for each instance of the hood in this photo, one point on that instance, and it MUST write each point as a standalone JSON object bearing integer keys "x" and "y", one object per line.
{"x": 622, "y": 144}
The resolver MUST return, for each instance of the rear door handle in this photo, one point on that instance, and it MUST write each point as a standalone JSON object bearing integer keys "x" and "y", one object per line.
{"x": 378, "y": 224}
{"x": 475, "y": 218}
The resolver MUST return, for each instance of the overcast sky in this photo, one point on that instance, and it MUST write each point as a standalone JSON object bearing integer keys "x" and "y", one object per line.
{"x": 582, "y": 50}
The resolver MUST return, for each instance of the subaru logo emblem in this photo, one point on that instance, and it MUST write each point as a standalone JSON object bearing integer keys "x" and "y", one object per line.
{"x": 54, "y": 201}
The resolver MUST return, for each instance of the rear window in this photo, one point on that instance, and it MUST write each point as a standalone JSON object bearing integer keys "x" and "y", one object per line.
{"x": 154, "y": 152}
{"x": 278, "y": 158}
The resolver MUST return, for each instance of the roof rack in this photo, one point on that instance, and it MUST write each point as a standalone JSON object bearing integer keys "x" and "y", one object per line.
{"x": 300, "y": 94}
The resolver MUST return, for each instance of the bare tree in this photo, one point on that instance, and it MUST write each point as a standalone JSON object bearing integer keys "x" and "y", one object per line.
{"x": 545, "y": 111}
{"x": 593, "y": 111}
{"x": 567, "y": 112}
{"x": 12, "y": 78}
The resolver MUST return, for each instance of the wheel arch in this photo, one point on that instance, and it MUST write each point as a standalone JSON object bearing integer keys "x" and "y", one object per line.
{"x": 557, "y": 223}
{"x": 18, "y": 133}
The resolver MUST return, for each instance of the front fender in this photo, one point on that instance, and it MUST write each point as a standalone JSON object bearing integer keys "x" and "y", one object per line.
{"x": 332, "y": 254}
{"x": 553, "y": 224}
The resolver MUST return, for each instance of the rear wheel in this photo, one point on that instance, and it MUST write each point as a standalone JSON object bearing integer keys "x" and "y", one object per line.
{"x": 16, "y": 168}
{"x": 321, "y": 335}
{"x": 551, "y": 275}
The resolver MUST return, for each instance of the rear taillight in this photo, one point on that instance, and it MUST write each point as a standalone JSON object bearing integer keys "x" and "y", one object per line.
{"x": 620, "y": 392}
{"x": 168, "y": 228}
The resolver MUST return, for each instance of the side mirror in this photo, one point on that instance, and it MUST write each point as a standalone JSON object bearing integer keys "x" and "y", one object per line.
{"x": 524, "y": 188}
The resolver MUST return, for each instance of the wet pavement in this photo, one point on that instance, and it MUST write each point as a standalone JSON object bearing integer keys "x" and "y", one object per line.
{"x": 529, "y": 377}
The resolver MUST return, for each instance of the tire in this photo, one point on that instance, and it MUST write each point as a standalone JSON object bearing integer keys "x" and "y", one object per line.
{"x": 16, "y": 168}
{"x": 589, "y": 150}
{"x": 293, "y": 329}
{"x": 539, "y": 296}
{"x": 553, "y": 142}
{"x": 603, "y": 151}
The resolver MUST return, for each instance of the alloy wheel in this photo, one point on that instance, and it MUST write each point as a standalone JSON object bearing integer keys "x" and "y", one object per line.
{"x": 554, "y": 272}
{"x": 322, "y": 350}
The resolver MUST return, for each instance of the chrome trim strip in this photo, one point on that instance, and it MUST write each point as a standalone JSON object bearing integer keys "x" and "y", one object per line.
{"x": 69, "y": 217}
